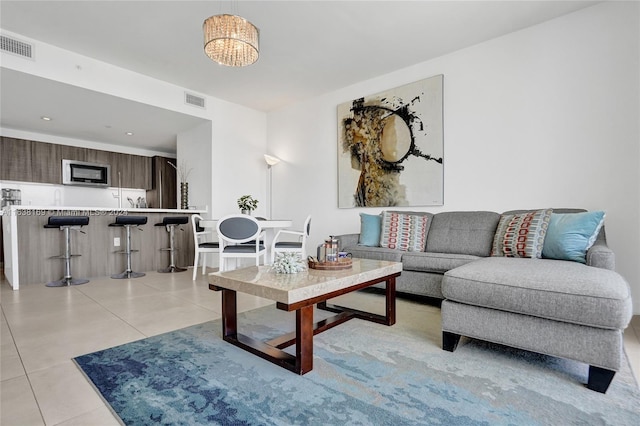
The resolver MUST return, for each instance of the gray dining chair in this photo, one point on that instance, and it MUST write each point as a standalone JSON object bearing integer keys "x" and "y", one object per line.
{"x": 299, "y": 246}
{"x": 240, "y": 237}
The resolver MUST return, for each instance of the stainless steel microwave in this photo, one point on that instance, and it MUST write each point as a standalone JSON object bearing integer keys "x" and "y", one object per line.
{"x": 87, "y": 174}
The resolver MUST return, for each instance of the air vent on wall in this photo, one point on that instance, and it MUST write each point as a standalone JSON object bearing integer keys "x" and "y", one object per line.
{"x": 17, "y": 47}
{"x": 194, "y": 100}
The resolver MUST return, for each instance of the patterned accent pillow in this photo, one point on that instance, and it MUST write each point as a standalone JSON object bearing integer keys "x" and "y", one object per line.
{"x": 521, "y": 235}
{"x": 405, "y": 232}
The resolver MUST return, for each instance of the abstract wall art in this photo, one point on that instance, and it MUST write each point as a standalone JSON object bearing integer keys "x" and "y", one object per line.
{"x": 390, "y": 147}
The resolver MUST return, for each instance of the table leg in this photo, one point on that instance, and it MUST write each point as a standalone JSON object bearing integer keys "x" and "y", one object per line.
{"x": 229, "y": 314}
{"x": 390, "y": 300}
{"x": 389, "y": 318}
{"x": 304, "y": 339}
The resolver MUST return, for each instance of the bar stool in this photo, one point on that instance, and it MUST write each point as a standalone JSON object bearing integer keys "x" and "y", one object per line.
{"x": 67, "y": 224}
{"x": 170, "y": 222}
{"x": 127, "y": 222}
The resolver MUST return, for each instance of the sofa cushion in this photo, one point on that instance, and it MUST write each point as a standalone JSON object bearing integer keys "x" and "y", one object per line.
{"x": 570, "y": 235}
{"x": 521, "y": 235}
{"x": 375, "y": 253}
{"x": 370, "y": 226}
{"x": 551, "y": 289}
{"x": 462, "y": 232}
{"x": 434, "y": 262}
{"x": 404, "y": 231}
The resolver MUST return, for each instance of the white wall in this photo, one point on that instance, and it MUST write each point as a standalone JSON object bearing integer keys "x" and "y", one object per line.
{"x": 239, "y": 145}
{"x": 194, "y": 149}
{"x": 544, "y": 117}
{"x": 239, "y": 133}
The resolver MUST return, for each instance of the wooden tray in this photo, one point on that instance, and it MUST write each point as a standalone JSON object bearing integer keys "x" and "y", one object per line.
{"x": 342, "y": 263}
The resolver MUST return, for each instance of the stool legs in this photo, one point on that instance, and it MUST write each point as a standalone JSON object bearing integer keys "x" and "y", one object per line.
{"x": 67, "y": 280}
{"x": 128, "y": 273}
{"x": 172, "y": 263}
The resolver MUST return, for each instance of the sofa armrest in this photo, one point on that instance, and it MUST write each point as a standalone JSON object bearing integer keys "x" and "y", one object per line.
{"x": 347, "y": 240}
{"x": 601, "y": 256}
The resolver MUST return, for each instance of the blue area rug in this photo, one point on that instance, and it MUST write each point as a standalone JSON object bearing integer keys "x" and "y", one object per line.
{"x": 364, "y": 374}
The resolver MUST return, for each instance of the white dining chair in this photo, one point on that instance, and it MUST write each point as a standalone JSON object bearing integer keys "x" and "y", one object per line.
{"x": 298, "y": 246}
{"x": 240, "y": 237}
{"x": 200, "y": 235}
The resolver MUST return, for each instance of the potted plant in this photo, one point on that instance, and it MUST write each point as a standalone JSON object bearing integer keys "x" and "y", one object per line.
{"x": 247, "y": 204}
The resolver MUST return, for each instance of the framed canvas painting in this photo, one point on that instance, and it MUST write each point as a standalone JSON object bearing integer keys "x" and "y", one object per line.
{"x": 390, "y": 147}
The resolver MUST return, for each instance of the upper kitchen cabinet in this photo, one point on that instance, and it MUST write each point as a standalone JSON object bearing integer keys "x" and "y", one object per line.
{"x": 99, "y": 157}
{"x": 135, "y": 170}
{"x": 46, "y": 166}
{"x": 31, "y": 161}
{"x": 15, "y": 159}
{"x": 75, "y": 153}
{"x": 141, "y": 171}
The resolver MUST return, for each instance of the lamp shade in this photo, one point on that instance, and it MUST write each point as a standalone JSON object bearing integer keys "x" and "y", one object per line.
{"x": 231, "y": 40}
{"x": 271, "y": 160}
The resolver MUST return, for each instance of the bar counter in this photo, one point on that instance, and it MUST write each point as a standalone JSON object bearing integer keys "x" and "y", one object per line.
{"x": 29, "y": 247}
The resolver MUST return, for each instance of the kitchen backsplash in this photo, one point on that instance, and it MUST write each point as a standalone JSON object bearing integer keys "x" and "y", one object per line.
{"x": 47, "y": 195}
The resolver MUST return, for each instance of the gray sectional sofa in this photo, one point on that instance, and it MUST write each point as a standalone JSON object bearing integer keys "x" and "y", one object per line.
{"x": 557, "y": 307}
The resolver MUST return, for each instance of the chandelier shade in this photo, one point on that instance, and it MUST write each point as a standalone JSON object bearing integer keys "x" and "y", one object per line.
{"x": 231, "y": 40}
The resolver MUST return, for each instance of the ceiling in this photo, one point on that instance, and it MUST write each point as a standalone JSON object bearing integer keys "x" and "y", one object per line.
{"x": 307, "y": 48}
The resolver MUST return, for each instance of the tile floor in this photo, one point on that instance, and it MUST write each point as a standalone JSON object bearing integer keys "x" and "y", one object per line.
{"x": 43, "y": 328}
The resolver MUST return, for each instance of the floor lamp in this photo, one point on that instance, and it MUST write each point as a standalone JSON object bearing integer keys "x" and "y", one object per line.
{"x": 271, "y": 161}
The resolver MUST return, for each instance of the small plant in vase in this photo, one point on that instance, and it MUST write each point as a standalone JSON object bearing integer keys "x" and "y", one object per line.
{"x": 247, "y": 204}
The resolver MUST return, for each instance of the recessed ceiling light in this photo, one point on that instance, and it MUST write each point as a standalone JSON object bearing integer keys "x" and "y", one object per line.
{"x": 45, "y": 118}
{"x": 129, "y": 133}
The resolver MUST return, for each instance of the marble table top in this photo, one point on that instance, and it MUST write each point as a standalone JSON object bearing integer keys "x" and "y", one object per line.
{"x": 262, "y": 281}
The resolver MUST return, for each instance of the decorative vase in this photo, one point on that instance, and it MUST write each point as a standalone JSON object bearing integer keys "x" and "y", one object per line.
{"x": 245, "y": 211}
{"x": 184, "y": 195}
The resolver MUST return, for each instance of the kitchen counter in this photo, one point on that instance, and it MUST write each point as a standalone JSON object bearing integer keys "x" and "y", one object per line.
{"x": 109, "y": 210}
{"x": 29, "y": 248}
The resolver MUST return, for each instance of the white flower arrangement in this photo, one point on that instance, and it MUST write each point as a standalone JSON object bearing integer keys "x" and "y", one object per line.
{"x": 289, "y": 263}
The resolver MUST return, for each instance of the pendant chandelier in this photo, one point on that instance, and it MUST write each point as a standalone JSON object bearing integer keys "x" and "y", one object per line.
{"x": 231, "y": 40}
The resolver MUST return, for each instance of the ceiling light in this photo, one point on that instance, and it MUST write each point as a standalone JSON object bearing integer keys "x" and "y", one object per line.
{"x": 231, "y": 40}
{"x": 129, "y": 133}
{"x": 45, "y": 118}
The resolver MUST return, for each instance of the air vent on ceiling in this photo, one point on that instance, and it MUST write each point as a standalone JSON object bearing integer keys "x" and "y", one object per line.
{"x": 194, "y": 100}
{"x": 17, "y": 47}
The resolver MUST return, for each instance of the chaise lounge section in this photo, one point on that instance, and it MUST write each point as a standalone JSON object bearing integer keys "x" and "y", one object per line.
{"x": 573, "y": 306}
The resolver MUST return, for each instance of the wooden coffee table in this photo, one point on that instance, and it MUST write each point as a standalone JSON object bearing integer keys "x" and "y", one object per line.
{"x": 299, "y": 293}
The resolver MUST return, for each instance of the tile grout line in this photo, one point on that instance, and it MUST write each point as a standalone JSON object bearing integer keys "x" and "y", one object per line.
{"x": 26, "y": 375}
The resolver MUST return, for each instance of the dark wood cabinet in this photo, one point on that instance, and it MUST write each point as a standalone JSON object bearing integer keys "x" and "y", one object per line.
{"x": 46, "y": 162}
{"x": 141, "y": 171}
{"x": 120, "y": 170}
{"x": 163, "y": 193}
{"x": 31, "y": 161}
{"x": 98, "y": 156}
{"x": 76, "y": 153}
{"x": 15, "y": 157}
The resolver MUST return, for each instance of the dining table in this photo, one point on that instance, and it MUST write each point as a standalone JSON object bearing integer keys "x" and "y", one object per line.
{"x": 270, "y": 227}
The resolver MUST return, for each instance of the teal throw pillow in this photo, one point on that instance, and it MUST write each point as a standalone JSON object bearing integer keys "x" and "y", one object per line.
{"x": 370, "y": 226}
{"x": 570, "y": 235}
